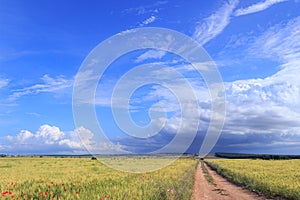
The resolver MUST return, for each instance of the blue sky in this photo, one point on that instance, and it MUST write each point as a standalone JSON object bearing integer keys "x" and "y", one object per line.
{"x": 255, "y": 45}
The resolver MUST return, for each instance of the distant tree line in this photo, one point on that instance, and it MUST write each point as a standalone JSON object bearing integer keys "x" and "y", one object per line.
{"x": 256, "y": 156}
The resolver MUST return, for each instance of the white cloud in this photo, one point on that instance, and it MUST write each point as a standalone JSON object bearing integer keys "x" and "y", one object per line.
{"x": 3, "y": 83}
{"x": 50, "y": 134}
{"x": 24, "y": 135}
{"x": 145, "y": 9}
{"x": 256, "y": 106}
{"x": 156, "y": 54}
{"x": 46, "y": 134}
{"x": 281, "y": 42}
{"x": 33, "y": 114}
{"x": 84, "y": 80}
{"x": 48, "y": 84}
{"x": 50, "y": 139}
{"x": 262, "y": 106}
{"x": 269, "y": 105}
{"x": 70, "y": 143}
{"x": 257, "y": 7}
{"x": 83, "y": 136}
{"x": 213, "y": 25}
{"x": 172, "y": 94}
{"x": 148, "y": 20}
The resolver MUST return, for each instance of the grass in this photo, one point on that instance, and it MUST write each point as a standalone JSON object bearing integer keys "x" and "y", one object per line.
{"x": 211, "y": 180}
{"x": 272, "y": 178}
{"x": 208, "y": 177}
{"x": 83, "y": 178}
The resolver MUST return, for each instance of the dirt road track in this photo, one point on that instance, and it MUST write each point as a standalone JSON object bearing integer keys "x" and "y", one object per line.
{"x": 222, "y": 189}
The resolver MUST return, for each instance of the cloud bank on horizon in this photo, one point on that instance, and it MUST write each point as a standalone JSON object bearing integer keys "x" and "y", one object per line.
{"x": 256, "y": 46}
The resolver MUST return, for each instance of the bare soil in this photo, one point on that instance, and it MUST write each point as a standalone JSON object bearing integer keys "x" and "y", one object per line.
{"x": 220, "y": 189}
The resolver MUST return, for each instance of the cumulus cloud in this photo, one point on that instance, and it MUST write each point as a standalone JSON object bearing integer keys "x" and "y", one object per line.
{"x": 213, "y": 25}
{"x": 47, "y": 134}
{"x": 22, "y": 136}
{"x": 255, "y": 107}
{"x": 257, "y": 7}
{"x": 258, "y": 109}
{"x": 265, "y": 106}
{"x": 269, "y": 105}
{"x": 50, "y": 139}
{"x": 50, "y": 133}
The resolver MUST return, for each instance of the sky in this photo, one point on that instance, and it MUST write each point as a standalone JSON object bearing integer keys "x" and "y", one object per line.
{"x": 255, "y": 46}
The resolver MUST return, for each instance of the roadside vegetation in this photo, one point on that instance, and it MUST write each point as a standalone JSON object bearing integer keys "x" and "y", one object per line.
{"x": 272, "y": 178}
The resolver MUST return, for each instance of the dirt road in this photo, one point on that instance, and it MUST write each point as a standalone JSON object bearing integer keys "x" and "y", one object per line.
{"x": 218, "y": 188}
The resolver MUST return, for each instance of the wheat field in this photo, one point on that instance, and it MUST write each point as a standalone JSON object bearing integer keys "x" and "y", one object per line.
{"x": 273, "y": 178}
{"x": 83, "y": 178}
